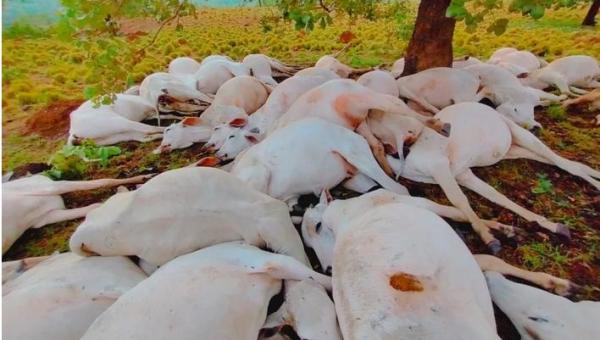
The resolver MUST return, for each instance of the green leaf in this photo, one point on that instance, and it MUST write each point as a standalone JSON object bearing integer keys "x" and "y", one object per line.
{"x": 498, "y": 26}
{"x": 89, "y": 92}
{"x": 457, "y": 10}
{"x": 537, "y": 12}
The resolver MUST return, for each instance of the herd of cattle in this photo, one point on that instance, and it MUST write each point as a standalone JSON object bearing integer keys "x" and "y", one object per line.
{"x": 210, "y": 251}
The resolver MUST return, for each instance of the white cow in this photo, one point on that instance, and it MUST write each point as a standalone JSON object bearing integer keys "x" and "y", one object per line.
{"x": 215, "y": 57}
{"x": 320, "y": 223}
{"x": 13, "y": 269}
{"x": 114, "y": 123}
{"x": 482, "y": 137}
{"x": 308, "y": 156}
{"x": 214, "y": 73}
{"x": 540, "y": 315}
{"x": 380, "y": 81}
{"x": 33, "y": 202}
{"x": 329, "y": 62}
{"x": 183, "y": 66}
{"x": 567, "y": 74}
{"x": 465, "y": 61}
{"x": 516, "y": 61}
{"x": 394, "y": 278}
{"x": 299, "y": 310}
{"x": 438, "y": 87}
{"x": 220, "y": 292}
{"x": 169, "y": 93}
{"x": 236, "y": 99}
{"x": 263, "y": 67}
{"x": 347, "y": 103}
{"x": 150, "y": 221}
{"x": 398, "y": 68}
{"x": 512, "y": 99}
{"x": 59, "y": 298}
{"x": 317, "y": 71}
{"x": 184, "y": 134}
{"x": 231, "y": 140}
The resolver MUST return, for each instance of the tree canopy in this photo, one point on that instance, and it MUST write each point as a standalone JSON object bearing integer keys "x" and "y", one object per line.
{"x": 93, "y": 25}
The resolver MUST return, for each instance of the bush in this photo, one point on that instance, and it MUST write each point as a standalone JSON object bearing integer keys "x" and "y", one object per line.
{"x": 71, "y": 161}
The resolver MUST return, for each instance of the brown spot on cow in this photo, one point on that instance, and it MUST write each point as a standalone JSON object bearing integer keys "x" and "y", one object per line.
{"x": 405, "y": 282}
{"x": 343, "y": 105}
{"x": 314, "y": 96}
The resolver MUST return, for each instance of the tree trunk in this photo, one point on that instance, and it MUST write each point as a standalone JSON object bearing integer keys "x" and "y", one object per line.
{"x": 431, "y": 42}
{"x": 591, "y": 15}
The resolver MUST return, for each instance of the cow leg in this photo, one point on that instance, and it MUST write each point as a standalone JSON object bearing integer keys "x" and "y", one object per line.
{"x": 61, "y": 187}
{"x": 517, "y": 152}
{"x": 577, "y": 90}
{"x": 552, "y": 283}
{"x": 470, "y": 181}
{"x": 453, "y": 213}
{"x": 360, "y": 183}
{"x": 443, "y": 176}
{"x": 285, "y": 267}
{"x": 61, "y": 215}
{"x": 527, "y": 140}
{"x": 376, "y": 147}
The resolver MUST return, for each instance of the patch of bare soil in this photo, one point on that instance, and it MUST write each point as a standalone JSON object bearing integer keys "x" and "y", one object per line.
{"x": 52, "y": 121}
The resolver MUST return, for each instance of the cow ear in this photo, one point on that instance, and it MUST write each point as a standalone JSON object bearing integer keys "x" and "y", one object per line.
{"x": 191, "y": 121}
{"x": 238, "y": 122}
{"x": 325, "y": 197}
{"x": 251, "y": 139}
{"x": 209, "y": 161}
{"x": 522, "y": 75}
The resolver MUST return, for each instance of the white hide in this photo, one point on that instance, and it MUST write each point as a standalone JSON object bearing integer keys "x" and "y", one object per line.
{"x": 308, "y": 156}
{"x": 308, "y": 310}
{"x": 401, "y": 283}
{"x": 59, "y": 298}
{"x": 220, "y": 292}
{"x": 380, "y": 81}
{"x": 331, "y": 63}
{"x": 173, "y": 93}
{"x": 35, "y": 201}
{"x": 440, "y": 87}
{"x": 539, "y": 315}
{"x": 566, "y": 74}
{"x": 282, "y": 97}
{"x": 214, "y": 73}
{"x": 236, "y": 98}
{"x": 481, "y": 137}
{"x": 114, "y": 123}
{"x": 150, "y": 221}
{"x": 183, "y": 65}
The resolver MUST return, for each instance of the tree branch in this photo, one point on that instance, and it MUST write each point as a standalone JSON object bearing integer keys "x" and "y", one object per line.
{"x": 162, "y": 25}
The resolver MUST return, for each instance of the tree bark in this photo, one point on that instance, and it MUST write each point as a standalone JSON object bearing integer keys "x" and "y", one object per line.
{"x": 431, "y": 42}
{"x": 591, "y": 15}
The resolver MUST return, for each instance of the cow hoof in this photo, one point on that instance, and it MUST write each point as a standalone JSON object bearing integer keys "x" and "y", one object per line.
{"x": 563, "y": 230}
{"x": 494, "y": 247}
{"x": 446, "y": 129}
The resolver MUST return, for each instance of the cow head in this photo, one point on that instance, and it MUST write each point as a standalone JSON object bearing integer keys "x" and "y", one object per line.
{"x": 183, "y": 134}
{"x": 318, "y": 235}
{"x": 237, "y": 141}
{"x": 520, "y": 113}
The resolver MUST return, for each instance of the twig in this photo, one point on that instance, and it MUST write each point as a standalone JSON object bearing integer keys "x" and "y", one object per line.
{"x": 328, "y": 10}
{"x": 162, "y": 25}
{"x": 344, "y": 49}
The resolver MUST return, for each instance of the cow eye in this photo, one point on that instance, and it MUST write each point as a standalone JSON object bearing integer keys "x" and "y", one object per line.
{"x": 217, "y": 127}
{"x": 230, "y": 136}
{"x": 318, "y": 227}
